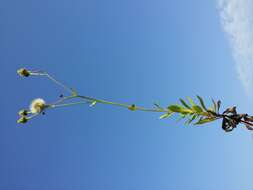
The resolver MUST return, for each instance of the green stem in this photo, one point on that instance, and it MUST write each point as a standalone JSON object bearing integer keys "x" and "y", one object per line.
{"x": 120, "y": 104}
{"x": 42, "y": 73}
{"x": 67, "y": 104}
{"x": 90, "y": 99}
{"x": 64, "y": 99}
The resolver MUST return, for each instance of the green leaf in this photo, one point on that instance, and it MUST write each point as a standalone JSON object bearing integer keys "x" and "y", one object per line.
{"x": 184, "y": 103}
{"x": 205, "y": 120}
{"x": 179, "y": 109}
{"x": 191, "y": 101}
{"x": 218, "y": 105}
{"x": 214, "y": 106}
{"x": 197, "y": 109}
{"x": 157, "y": 106}
{"x": 93, "y": 103}
{"x": 165, "y": 115}
{"x": 175, "y": 108}
{"x": 202, "y": 102}
{"x": 191, "y": 119}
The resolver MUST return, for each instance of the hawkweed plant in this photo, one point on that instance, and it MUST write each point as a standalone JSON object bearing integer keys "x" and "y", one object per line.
{"x": 192, "y": 112}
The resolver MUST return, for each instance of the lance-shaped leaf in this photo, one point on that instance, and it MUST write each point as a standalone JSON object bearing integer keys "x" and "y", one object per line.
{"x": 165, "y": 115}
{"x": 158, "y": 106}
{"x": 191, "y": 119}
{"x": 214, "y": 106}
{"x": 191, "y": 101}
{"x": 218, "y": 105}
{"x": 175, "y": 108}
{"x": 184, "y": 103}
{"x": 202, "y": 103}
{"x": 197, "y": 109}
{"x": 93, "y": 103}
{"x": 204, "y": 120}
{"x": 178, "y": 109}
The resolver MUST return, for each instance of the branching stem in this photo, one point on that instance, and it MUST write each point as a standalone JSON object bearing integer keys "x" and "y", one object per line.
{"x": 191, "y": 111}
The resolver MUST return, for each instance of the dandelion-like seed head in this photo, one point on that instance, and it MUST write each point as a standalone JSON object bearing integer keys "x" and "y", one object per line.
{"x": 23, "y": 72}
{"x": 37, "y": 106}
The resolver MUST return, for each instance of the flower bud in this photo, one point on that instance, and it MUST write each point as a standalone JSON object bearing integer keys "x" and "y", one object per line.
{"x": 132, "y": 107}
{"x": 23, "y": 112}
{"x": 22, "y": 120}
{"x": 23, "y": 72}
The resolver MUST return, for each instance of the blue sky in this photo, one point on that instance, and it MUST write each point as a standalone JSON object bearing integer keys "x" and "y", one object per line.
{"x": 131, "y": 51}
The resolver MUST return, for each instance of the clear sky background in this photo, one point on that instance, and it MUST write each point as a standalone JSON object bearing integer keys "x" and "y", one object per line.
{"x": 133, "y": 51}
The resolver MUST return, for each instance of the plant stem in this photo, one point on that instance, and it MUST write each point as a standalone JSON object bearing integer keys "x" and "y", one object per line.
{"x": 121, "y": 104}
{"x": 59, "y": 103}
{"x": 67, "y": 104}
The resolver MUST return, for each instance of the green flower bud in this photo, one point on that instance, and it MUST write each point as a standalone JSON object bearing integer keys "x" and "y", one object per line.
{"x": 132, "y": 107}
{"x": 22, "y": 120}
{"x": 23, "y": 112}
{"x": 23, "y": 72}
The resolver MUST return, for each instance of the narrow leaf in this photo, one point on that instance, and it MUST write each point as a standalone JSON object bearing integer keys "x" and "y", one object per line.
{"x": 197, "y": 109}
{"x": 179, "y": 109}
{"x": 191, "y": 101}
{"x": 218, "y": 105}
{"x": 175, "y": 108}
{"x": 157, "y": 106}
{"x": 214, "y": 106}
{"x": 165, "y": 115}
{"x": 184, "y": 103}
{"x": 202, "y": 103}
{"x": 192, "y": 118}
{"x": 205, "y": 120}
{"x": 93, "y": 103}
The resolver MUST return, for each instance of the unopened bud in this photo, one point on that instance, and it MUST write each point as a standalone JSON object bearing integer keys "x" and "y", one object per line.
{"x": 23, "y": 72}
{"x": 132, "y": 107}
{"x": 22, "y": 120}
{"x": 23, "y": 112}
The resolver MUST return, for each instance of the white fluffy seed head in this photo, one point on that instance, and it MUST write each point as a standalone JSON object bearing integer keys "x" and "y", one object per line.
{"x": 37, "y": 106}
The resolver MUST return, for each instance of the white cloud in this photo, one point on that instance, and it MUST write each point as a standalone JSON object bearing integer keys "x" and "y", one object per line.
{"x": 237, "y": 21}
